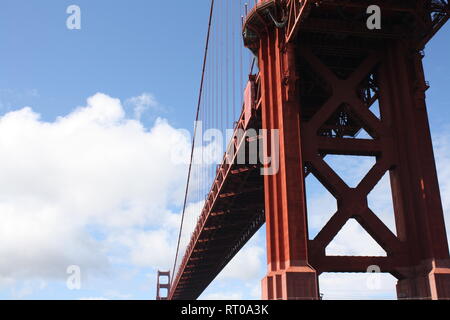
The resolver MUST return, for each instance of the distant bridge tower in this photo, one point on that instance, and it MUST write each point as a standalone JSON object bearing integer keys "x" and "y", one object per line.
{"x": 163, "y": 284}
{"x": 321, "y": 70}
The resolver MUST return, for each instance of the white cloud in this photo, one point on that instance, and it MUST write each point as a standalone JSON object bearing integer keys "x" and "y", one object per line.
{"x": 27, "y": 288}
{"x": 115, "y": 294}
{"x": 73, "y": 189}
{"x": 338, "y": 286}
{"x": 353, "y": 240}
{"x": 241, "y": 278}
{"x": 148, "y": 249}
{"x": 22, "y": 293}
{"x": 192, "y": 213}
{"x": 246, "y": 265}
{"x": 142, "y": 103}
{"x": 224, "y": 296}
{"x": 442, "y": 153}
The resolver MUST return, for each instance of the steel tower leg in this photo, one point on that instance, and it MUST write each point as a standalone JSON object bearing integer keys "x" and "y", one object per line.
{"x": 417, "y": 202}
{"x": 290, "y": 275}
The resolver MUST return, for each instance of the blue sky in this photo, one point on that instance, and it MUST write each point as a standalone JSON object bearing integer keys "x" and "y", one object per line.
{"x": 137, "y": 50}
{"x": 124, "y": 48}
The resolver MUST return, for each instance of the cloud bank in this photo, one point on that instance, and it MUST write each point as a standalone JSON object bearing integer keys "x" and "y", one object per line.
{"x": 91, "y": 188}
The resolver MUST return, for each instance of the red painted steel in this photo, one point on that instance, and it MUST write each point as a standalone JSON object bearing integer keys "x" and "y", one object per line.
{"x": 318, "y": 84}
{"x": 321, "y": 70}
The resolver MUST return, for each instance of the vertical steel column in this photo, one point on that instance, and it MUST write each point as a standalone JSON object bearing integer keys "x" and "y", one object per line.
{"x": 417, "y": 202}
{"x": 289, "y": 276}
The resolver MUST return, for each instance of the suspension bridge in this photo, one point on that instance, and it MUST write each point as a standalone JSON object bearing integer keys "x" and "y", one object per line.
{"x": 296, "y": 80}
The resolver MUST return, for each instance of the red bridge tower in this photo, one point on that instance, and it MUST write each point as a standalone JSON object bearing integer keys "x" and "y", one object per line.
{"x": 321, "y": 70}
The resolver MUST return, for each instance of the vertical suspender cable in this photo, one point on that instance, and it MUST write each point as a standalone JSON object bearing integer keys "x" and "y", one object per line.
{"x": 227, "y": 56}
{"x": 221, "y": 66}
{"x": 241, "y": 76}
{"x": 233, "y": 45}
{"x": 193, "y": 138}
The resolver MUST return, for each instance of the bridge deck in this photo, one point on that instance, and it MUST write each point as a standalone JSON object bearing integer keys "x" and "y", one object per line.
{"x": 232, "y": 214}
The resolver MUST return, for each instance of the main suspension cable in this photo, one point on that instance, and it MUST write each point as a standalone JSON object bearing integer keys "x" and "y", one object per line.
{"x": 193, "y": 139}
